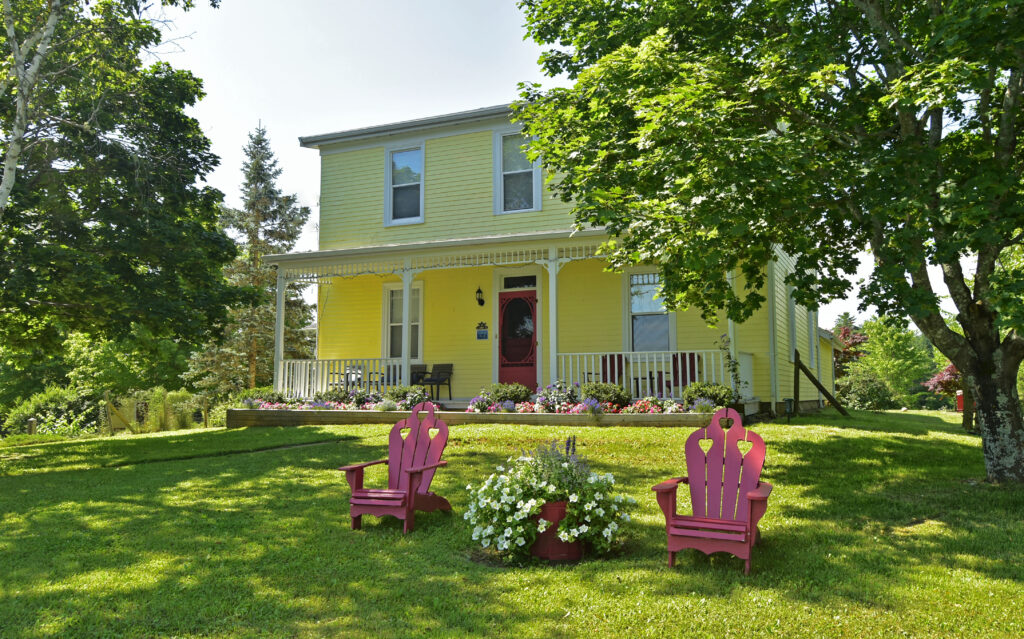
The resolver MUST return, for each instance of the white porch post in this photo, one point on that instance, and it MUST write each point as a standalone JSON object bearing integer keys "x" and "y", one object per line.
{"x": 279, "y": 331}
{"x": 407, "y": 276}
{"x": 732, "y": 335}
{"x": 553, "y": 265}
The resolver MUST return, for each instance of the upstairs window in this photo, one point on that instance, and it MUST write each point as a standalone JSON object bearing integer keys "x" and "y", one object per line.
{"x": 517, "y": 184}
{"x": 649, "y": 321}
{"x": 405, "y": 183}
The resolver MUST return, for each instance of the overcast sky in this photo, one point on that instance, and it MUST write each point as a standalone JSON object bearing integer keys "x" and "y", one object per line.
{"x": 318, "y": 66}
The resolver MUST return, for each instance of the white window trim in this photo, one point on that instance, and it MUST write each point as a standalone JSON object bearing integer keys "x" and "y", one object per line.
{"x": 627, "y": 311}
{"x": 499, "y": 183}
{"x": 388, "y": 194}
{"x": 385, "y": 340}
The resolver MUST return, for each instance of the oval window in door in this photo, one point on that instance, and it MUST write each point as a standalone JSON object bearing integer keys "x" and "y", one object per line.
{"x": 517, "y": 331}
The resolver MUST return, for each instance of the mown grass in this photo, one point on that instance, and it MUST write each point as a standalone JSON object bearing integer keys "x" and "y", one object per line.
{"x": 879, "y": 526}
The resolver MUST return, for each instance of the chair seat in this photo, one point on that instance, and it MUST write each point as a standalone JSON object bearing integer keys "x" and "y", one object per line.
{"x": 379, "y": 493}
{"x": 707, "y": 528}
{"x": 371, "y": 497}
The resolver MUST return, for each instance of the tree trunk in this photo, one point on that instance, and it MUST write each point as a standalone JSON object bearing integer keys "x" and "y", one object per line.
{"x": 999, "y": 420}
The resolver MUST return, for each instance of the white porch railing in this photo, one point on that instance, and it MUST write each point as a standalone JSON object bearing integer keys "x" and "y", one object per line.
{"x": 306, "y": 377}
{"x": 646, "y": 374}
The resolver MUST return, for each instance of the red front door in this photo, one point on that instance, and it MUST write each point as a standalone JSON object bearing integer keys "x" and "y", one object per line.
{"x": 517, "y": 337}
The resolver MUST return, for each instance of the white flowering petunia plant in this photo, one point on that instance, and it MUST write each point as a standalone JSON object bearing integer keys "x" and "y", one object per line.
{"x": 501, "y": 509}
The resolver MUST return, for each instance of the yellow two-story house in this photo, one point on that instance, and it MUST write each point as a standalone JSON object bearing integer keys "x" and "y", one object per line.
{"x": 442, "y": 249}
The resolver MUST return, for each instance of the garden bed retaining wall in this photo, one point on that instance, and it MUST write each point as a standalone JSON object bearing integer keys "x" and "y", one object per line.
{"x": 243, "y": 417}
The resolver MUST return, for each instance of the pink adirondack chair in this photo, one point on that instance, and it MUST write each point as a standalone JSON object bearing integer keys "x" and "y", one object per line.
{"x": 725, "y": 489}
{"x": 412, "y": 460}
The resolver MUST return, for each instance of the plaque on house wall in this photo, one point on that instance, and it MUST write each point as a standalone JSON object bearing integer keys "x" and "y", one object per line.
{"x": 481, "y": 330}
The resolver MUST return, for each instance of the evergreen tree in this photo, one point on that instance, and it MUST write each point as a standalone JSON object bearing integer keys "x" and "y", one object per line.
{"x": 268, "y": 222}
{"x": 845, "y": 320}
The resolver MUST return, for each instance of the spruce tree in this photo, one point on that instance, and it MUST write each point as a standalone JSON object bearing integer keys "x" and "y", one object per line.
{"x": 268, "y": 222}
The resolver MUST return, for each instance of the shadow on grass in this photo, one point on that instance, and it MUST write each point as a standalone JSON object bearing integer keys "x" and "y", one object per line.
{"x": 260, "y": 544}
{"x": 252, "y": 544}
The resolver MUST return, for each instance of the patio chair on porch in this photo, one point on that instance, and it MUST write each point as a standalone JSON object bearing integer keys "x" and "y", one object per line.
{"x": 613, "y": 369}
{"x": 440, "y": 375}
{"x": 416, "y": 373}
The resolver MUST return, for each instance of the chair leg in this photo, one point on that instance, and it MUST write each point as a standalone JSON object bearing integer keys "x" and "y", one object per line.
{"x": 746, "y": 566}
{"x": 671, "y": 559}
{"x": 357, "y": 522}
{"x": 409, "y": 523}
{"x": 449, "y": 391}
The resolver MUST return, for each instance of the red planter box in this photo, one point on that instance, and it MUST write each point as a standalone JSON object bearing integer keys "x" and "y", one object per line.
{"x": 548, "y": 545}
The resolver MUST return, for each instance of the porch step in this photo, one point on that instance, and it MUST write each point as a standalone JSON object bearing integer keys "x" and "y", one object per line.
{"x": 453, "y": 404}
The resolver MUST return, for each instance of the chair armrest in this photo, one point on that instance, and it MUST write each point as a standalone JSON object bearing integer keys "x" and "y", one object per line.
{"x": 420, "y": 469}
{"x": 363, "y": 465}
{"x": 761, "y": 492}
{"x": 670, "y": 484}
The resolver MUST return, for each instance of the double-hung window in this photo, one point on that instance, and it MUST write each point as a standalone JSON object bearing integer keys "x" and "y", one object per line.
{"x": 393, "y": 332}
{"x": 649, "y": 321}
{"x": 517, "y": 182}
{"x": 405, "y": 186}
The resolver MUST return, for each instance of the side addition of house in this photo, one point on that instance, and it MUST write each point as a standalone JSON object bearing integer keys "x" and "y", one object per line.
{"x": 442, "y": 249}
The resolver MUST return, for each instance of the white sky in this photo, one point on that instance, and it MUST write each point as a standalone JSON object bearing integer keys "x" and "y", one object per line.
{"x": 318, "y": 66}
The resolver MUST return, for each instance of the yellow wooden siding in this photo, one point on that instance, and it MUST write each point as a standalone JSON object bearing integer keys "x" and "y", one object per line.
{"x": 350, "y": 318}
{"x": 458, "y": 194}
{"x": 451, "y": 315}
{"x": 351, "y": 197}
{"x": 589, "y": 308}
{"x": 827, "y": 365}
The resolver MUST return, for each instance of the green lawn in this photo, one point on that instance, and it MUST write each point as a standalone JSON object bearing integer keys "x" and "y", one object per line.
{"x": 878, "y": 527}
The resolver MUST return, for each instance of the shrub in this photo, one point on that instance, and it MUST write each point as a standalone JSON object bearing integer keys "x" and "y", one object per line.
{"x": 721, "y": 395}
{"x": 385, "y": 405}
{"x": 169, "y": 410}
{"x": 478, "y": 404}
{"x": 263, "y": 393}
{"x": 500, "y": 393}
{"x": 861, "y": 389}
{"x": 702, "y": 405}
{"x": 361, "y": 396}
{"x": 557, "y": 396}
{"x": 57, "y": 411}
{"x": 405, "y": 397}
{"x": 606, "y": 393}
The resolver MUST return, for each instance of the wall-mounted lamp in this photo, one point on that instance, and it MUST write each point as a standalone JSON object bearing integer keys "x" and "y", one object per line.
{"x": 479, "y": 296}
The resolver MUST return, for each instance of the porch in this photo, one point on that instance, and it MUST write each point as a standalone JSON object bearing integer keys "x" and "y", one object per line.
{"x": 528, "y": 309}
{"x": 644, "y": 374}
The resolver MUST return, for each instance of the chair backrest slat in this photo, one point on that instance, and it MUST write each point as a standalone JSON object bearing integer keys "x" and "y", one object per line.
{"x": 721, "y": 478}
{"x": 416, "y": 448}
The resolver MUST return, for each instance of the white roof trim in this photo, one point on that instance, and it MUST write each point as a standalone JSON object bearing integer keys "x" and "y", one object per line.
{"x": 407, "y": 126}
{"x": 337, "y": 254}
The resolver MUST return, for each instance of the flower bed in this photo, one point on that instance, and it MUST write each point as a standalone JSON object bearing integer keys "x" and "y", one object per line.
{"x": 564, "y": 399}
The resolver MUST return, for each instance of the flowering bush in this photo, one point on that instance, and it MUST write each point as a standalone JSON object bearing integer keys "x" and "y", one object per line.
{"x": 405, "y": 397}
{"x": 557, "y": 397}
{"x": 502, "y": 509}
{"x": 703, "y": 405}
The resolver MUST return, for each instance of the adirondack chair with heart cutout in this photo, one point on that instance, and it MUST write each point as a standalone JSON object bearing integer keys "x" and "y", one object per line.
{"x": 725, "y": 489}
{"x": 412, "y": 460}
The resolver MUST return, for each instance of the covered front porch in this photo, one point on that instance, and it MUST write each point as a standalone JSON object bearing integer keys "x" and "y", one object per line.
{"x": 527, "y": 309}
